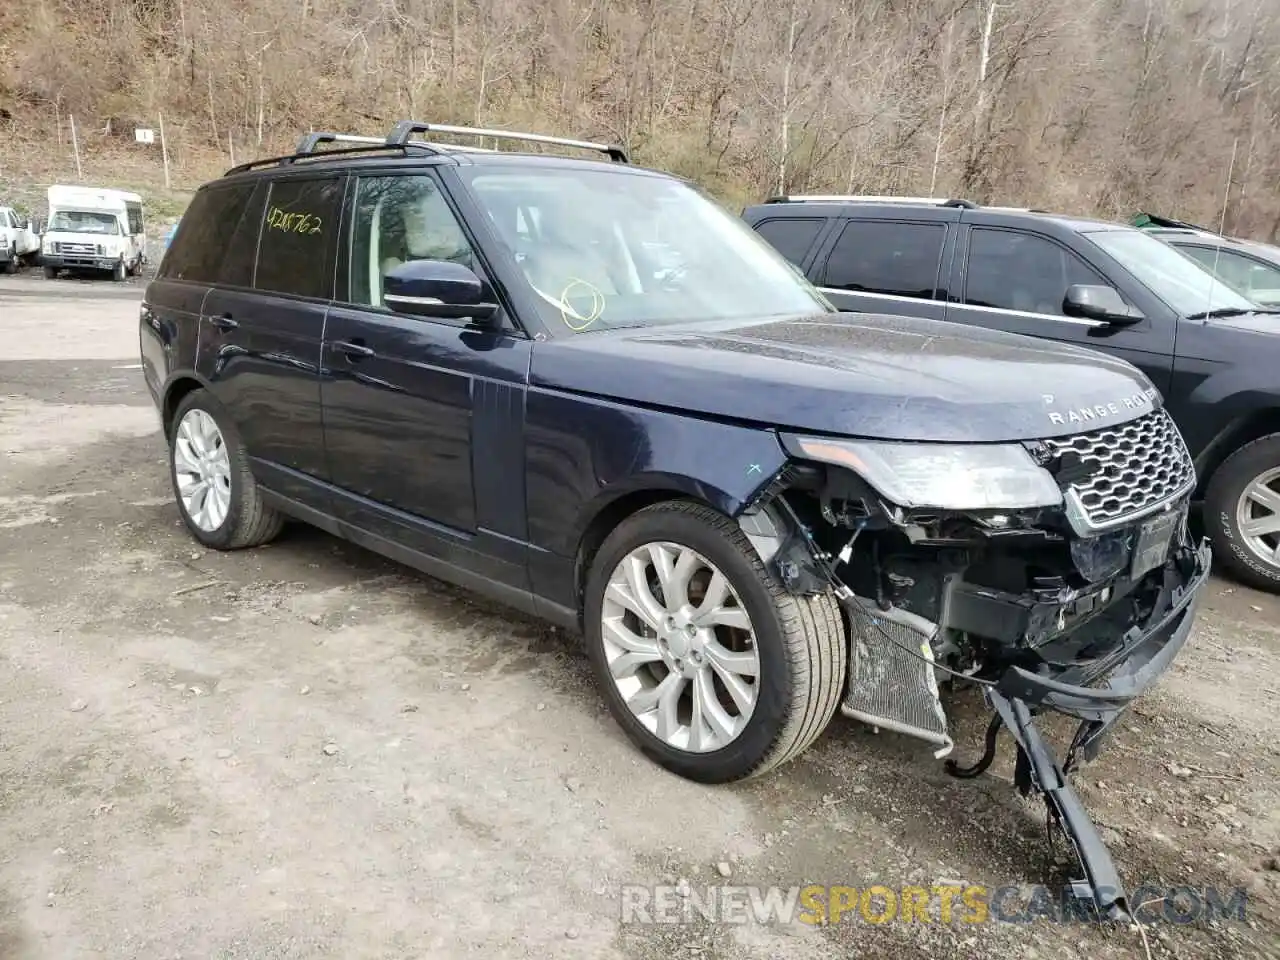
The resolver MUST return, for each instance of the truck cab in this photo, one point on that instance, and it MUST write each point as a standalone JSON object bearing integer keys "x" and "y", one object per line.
{"x": 18, "y": 240}
{"x": 95, "y": 229}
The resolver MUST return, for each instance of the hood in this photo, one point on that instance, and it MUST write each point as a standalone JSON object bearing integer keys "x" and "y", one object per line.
{"x": 858, "y": 375}
{"x": 1264, "y": 323}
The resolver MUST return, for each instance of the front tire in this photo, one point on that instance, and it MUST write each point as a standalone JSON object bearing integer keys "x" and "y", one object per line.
{"x": 51, "y": 273}
{"x": 1242, "y": 513}
{"x": 217, "y": 495}
{"x": 710, "y": 666}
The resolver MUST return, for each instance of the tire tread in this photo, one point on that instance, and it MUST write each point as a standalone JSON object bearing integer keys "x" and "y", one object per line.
{"x": 1220, "y": 497}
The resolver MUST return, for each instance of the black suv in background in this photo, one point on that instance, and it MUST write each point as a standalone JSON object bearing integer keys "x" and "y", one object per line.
{"x": 587, "y": 390}
{"x": 1212, "y": 352}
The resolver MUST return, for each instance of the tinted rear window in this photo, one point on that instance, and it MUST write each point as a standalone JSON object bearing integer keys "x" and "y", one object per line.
{"x": 299, "y": 237}
{"x": 242, "y": 250}
{"x": 888, "y": 257}
{"x": 792, "y": 237}
{"x": 204, "y": 232}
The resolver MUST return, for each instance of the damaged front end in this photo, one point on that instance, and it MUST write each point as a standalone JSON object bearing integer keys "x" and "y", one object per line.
{"x": 1059, "y": 575}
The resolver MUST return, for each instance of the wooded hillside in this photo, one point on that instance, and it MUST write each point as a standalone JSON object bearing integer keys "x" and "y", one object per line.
{"x": 1100, "y": 107}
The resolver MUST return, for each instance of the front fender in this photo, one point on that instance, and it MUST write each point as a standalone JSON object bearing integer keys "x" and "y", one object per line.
{"x": 585, "y": 454}
{"x": 1221, "y": 410}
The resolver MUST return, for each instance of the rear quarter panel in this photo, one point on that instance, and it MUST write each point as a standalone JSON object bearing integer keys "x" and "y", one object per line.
{"x": 168, "y": 332}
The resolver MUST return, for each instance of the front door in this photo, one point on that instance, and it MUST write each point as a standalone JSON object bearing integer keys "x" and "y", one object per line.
{"x": 1015, "y": 280}
{"x": 422, "y": 416}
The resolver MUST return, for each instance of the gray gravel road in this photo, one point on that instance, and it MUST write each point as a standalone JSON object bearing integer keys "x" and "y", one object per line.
{"x": 304, "y": 751}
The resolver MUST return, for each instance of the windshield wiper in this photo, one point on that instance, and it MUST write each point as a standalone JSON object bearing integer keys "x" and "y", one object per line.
{"x": 1223, "y": 312}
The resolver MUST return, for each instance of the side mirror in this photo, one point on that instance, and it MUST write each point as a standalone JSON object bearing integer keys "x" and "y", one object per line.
{"x": 437, "y": 288}
{"x": 1097, "y": 302}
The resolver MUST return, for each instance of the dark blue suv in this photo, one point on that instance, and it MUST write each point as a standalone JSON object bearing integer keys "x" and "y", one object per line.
{"x": 589, "y": 391}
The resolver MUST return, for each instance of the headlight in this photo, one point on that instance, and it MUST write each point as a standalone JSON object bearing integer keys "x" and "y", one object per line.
{"x": 946, "y": 476}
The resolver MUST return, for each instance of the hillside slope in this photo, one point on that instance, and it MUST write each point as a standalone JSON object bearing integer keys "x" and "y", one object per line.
{"x": 1102, "y": 108}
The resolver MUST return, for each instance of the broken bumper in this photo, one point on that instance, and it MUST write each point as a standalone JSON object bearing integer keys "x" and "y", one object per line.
{"x": 1098, "y": 695}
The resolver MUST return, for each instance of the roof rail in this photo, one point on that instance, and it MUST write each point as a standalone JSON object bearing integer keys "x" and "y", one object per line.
{"x": 402, "y": 132}
{"x": 868, "y": 198}
{"x": 400, "y": 140}
{"x": 288, "y": 159}
{"x": 308, "y": 143}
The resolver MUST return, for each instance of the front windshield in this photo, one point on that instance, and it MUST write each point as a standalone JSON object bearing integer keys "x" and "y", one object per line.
{"x": 607, "y": 248}
{"x": 83, "y": 221}
{"x": 1177, "y": 280}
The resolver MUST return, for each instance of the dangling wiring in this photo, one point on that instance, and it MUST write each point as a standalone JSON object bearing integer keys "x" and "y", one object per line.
{"x": 848, "y": 597}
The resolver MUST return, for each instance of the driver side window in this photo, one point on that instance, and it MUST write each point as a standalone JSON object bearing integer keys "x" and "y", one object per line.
{"x": 398, "y": 219}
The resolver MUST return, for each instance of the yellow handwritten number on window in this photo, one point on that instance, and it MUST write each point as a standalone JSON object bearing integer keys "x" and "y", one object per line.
{"x": 303, "y": 223}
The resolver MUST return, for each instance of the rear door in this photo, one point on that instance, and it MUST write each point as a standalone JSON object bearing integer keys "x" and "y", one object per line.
{"x": 171, "y": 309}
{"x": 893, "y": 266}
{"x": 263, "y": 324}
{"x": 1015, "y": 279}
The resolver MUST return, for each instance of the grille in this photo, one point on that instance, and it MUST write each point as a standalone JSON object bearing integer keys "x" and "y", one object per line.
{"x": 74, "y": 247}
{"x": 1143, "y": 463}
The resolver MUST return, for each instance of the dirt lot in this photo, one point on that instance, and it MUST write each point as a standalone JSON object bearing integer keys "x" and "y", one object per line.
{"x": 305, "y": 751}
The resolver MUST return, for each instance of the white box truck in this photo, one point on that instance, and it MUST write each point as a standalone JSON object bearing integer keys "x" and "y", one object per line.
{"x": 92, "y": 228}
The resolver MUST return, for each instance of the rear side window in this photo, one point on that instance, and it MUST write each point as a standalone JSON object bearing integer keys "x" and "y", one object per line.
{"x": 888, "y": 257}
{"x": 791, "y": 238}
{"x": 299, "y": 237}
{"x": 203, "y": 233}
{"x": 242, "y": 250}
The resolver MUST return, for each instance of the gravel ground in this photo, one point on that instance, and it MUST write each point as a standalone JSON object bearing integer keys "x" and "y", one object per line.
{"x": 305, "y": 751}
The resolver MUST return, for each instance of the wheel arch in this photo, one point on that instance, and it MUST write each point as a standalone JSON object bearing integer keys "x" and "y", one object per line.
{"x": 176, "y": 389}
{"x": 608, "y": 511}
{"x": 1235, "y": 434}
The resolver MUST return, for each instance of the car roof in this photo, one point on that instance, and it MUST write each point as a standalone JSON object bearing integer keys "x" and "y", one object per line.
{"x": 1265, "y": 250}
{"x": 835, "y": 205}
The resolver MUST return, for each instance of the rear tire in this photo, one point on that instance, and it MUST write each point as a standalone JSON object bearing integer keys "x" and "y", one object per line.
{"x": 217, "y": 495}
{"x": 1245, "y": 491}
{"x": 9, "y": 266}
{"x": 799, "y": 643}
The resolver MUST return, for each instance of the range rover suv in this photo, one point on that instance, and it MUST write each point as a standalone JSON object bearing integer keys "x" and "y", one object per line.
{"x": 587, "y": 390}
{"x": 1211, "y": 351}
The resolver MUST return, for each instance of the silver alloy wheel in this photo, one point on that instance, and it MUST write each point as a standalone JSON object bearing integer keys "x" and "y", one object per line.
{"x": 680, "y": 646}
{"x": 202, "y": 466}
{"x": 1258, "y": 516}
